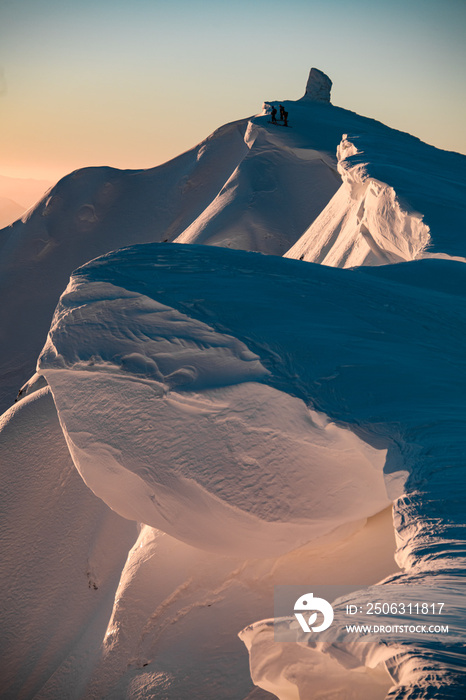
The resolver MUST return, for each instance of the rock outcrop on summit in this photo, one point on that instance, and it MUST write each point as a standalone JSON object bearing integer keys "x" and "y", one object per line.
{"x": 318, "y": 86}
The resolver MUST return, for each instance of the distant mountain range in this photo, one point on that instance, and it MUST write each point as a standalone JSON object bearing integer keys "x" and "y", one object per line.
{"x": 17, "y": 195}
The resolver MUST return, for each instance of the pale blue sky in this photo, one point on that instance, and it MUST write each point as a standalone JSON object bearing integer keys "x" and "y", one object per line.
{"x": 131, "y": 84}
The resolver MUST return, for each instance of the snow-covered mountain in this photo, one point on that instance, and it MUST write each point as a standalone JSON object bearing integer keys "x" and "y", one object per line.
{"x": 238, "y": 420}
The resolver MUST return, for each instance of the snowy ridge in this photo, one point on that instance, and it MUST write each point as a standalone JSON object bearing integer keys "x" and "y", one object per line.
{"x": 86, "y": 214}
{"x": 107, "y": 341}
{"x": 369, "y": 339}
{"x": 238, "y": 188}
{"x": 252, "y": 417}
{"x": 363, "y": 224}
{"x": 271, "y": 198}
{"x": 375, "y": 221}
{"x": 398, "y": 235}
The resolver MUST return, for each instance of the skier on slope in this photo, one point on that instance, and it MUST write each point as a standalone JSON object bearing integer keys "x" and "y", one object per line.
{"x": 274, "y": 114}
{"x": 282, "y": 111}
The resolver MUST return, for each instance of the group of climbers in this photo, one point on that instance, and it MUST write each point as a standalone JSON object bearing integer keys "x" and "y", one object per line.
{"x": 283, "y": 115}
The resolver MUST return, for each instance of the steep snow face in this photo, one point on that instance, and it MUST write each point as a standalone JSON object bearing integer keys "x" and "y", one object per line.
{"x": 318, "y": 86}
{"x": 363, "y": 224}
{"x": 79, "y": 622}
{"x": 218, "y": 482}
{"x": 63, "y": 551}
{"x": 271, "y": 198}
{"x": 390, "y": 206}
{"x": 175, "y": 636}
{"x": 356, "y": 345}
{"x": 243, "y": 187}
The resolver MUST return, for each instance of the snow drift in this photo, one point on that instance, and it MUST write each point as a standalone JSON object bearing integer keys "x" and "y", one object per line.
{"x": 354, "y": 345}
{"x": 80, "y": 622}
{"x": 220, "y": 482}
{"x": 399, "y": 200}
{"x": 254, "y": 414}
{"x": 63, "y": 552}
{"x": 86, "y": 214}
{"x": 250, "y": 185}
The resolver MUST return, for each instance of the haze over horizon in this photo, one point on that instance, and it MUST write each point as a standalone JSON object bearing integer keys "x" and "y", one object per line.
{"x": 105, "y": 83}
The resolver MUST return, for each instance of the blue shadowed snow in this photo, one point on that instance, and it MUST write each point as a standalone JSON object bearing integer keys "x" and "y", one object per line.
{"x": 319, "y": 331}
{"x": 380, "y": 350}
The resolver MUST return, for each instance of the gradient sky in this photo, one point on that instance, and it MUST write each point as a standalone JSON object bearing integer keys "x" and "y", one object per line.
{"x": 133, "y": 83}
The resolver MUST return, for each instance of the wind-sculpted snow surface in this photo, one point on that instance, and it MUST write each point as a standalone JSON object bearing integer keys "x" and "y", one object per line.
{"x": 79, "y": 623}
{"x": 399, "y": 200}
{"x": 221, "y": 342}
{"x": 275, "y": 193}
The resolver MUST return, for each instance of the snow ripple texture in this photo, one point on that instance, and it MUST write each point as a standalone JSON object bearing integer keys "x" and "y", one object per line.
{"x": 378, "y": 351}
{"x": 174, "y": 423}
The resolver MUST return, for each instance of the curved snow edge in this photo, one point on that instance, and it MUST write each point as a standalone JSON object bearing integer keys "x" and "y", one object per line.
{"x": 364, "y": 223}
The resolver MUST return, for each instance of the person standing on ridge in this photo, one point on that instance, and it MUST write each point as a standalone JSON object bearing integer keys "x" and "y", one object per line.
{"x": 282, "y": 112}
{"x": 285, "y": 118}
{"x": 274, "y": 113}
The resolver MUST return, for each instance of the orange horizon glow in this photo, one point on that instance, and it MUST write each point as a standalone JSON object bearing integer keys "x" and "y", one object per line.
{"x": 105, "y": 83}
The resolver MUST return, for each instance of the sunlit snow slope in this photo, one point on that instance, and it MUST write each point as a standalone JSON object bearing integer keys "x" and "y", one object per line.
{"x": 220, "y": 341}
{"x": 86, "y": 214}
{"x": 111, "y": 340}
{"x": 400, "y": 200}
{"x": 63, "y": 552}
{"x": 80, "y": 622}
{"x": 254, "y": 414}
